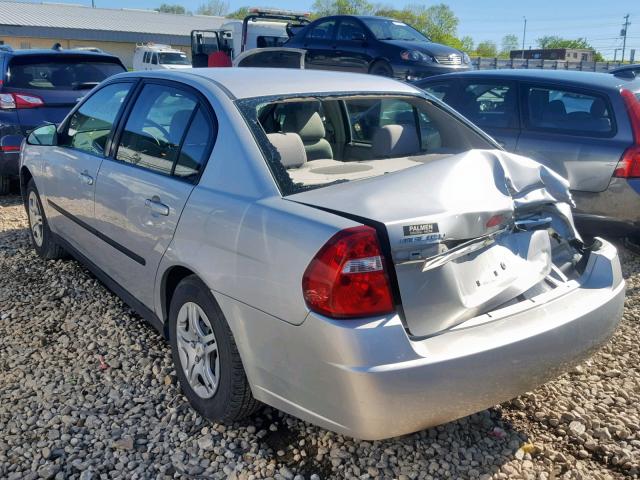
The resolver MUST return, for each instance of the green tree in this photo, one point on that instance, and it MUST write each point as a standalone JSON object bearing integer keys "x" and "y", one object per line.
{"x": 239, "y": 13}
{"x": 467, "y": 44}
{"x": 487, "y": 48}
{"x": 171, "y": 8}
{"x": 509, "y": 42}
{"x": 218, "y": 8}
{"x": 322, "y": 8}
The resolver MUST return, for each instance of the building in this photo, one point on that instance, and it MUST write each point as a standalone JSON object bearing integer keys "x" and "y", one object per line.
{"x": 562, "y": 54}
{"x": 40, "y": 25}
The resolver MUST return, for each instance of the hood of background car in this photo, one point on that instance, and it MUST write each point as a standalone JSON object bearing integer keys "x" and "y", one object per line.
{"x": 429, "y": 48}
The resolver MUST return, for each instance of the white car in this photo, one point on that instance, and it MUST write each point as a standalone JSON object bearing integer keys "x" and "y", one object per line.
{"x": 159, "y": 57}
{"x": 342, "y": 247}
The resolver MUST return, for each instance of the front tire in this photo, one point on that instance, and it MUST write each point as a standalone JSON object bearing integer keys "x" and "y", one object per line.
{"x": 382, "y": 69}
{"x": 41, "y": 237}
{"x": 205, "y": 355}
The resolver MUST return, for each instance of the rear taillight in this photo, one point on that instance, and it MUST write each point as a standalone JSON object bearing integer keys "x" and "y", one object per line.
{"x": 10, "y": 101}
{"x": 629, "y": 164}
{"x": 347, "y": 277}
{"x": 9, "y": 148}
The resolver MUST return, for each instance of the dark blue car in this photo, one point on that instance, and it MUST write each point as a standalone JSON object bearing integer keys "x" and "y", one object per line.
{"x": 40, "y": 86}
{"x": 377, "y": 45}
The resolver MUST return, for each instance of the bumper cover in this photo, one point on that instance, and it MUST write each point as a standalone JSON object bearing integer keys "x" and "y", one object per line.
{"x": 413, "y": 72}
{"x": 368, "y": 379}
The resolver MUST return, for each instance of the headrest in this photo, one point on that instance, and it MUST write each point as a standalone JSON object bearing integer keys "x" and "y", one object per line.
{"x": 290, "y": 148}
{"x": 306, "y": 123}
{"x": 598, "y": 108}
{"x": 395, "y": 141}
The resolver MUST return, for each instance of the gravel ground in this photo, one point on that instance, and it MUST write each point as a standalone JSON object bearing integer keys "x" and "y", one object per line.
{"x": 87, "y": 391}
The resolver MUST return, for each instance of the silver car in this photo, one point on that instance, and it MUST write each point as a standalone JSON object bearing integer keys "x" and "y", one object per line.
{"x": 342, "y": 247}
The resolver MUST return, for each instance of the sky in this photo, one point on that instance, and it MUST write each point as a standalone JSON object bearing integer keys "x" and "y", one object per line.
{"x": 599, "y": 22}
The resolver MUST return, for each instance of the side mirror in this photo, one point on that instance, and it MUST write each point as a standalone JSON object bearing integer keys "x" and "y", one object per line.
{"x": 46, "y": 135}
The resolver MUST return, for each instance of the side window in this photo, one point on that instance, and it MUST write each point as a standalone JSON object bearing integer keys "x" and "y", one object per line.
{"x": 145, "y": 57}
{"x": 155, "y": 128}
{"x": 350, "y": 30}
{"x": 565, "y": 110}
{"x": 195, "y": 147}
{"x": 322, "y": 31}
{"x": 489, "y": 104}
{"x": 444, "y": 91}
{"x": 89, "y": 127}
{"x": 154, "y": 58}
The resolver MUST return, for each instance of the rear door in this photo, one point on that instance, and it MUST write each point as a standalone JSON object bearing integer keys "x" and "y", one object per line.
{"x": 141, "y": 190}
{"x": 53, "y": 84}
{"x": 572, "y": 131}
{"x": 493, "y": 106}
{"x": 319, "y": 45}
{"x": 71, "y": 167}
{"x": 350, "y": 47}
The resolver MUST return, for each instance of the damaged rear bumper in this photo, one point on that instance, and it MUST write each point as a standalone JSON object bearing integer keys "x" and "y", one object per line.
{"x": 369, "y": 379}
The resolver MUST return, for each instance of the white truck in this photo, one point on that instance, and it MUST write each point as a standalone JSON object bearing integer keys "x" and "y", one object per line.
{"x": 261, "y": 28}
{"x": 155, "y": 56}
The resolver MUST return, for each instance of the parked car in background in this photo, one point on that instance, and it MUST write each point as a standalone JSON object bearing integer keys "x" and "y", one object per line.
{"x": 334, "y": 245}
{"x": 38, "y": 86}
{"x": 585, "y": 126}
{"x": 628, "y": 71}
{"x": 155, "y": 56}
{"x": 377, "y": 45}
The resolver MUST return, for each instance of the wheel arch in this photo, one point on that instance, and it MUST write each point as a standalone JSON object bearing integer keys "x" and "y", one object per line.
{"x": 171, "y": 277}
{"x": 25, "y": 177}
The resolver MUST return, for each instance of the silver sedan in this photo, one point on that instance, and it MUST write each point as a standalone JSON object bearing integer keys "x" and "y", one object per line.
{"x": 342, "y": 247}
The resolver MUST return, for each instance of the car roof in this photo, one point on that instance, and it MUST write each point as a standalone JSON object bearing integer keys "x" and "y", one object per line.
{"x": 246, "y": 82}
{"x": 572, "y": 77}
{"x": 61, "y": 53}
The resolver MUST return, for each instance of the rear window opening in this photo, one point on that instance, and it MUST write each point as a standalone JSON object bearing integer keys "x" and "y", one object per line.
{"x": 316, "y": 141}
{"x": 55, "y": 73}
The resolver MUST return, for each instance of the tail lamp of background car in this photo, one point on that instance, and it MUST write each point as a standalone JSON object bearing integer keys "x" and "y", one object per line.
{"x": 347, "y": 277}
{"x": 629, "y": 164}
{"x": 13, "y": 101}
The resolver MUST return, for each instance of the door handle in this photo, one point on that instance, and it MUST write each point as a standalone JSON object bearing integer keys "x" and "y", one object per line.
{"x": 156, "y": 206}
{"x": 86, "y": 178}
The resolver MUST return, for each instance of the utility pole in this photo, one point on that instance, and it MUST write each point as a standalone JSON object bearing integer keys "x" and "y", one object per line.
{"x": 623, "y": 34}
{"x": 524, "y": 34}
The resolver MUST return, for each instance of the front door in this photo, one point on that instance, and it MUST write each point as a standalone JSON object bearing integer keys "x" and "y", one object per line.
{"x": 141, "y": 191}
{"x": 71, "y": 169}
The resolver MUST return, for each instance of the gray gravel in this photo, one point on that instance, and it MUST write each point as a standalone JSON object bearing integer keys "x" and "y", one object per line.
{"x": 87, "y": 391}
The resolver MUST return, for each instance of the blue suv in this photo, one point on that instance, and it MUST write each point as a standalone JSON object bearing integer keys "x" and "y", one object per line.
{"x": 40, "y": 86}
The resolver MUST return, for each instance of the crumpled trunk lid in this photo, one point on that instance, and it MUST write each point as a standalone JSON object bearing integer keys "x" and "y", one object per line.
{"x": 466, "y": 233}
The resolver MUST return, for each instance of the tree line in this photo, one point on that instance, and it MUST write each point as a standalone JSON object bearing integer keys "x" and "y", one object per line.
{"x": 438, "y": 22}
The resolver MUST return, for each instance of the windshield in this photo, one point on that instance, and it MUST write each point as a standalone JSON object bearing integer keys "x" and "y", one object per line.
{"x": 386, "y": 29}
{"x": 174, "y": 58}
{"x": 59, "y": 74}
{"x": 313, "y": 142}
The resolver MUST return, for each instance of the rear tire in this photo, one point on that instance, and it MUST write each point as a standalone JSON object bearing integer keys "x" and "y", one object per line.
{"x": 41, "y": 237}
{"x": 205, "y": 355}
{"x": 382, "y": 69}
{"x": 633, "y": 244}
{"x": 5, "y": 185}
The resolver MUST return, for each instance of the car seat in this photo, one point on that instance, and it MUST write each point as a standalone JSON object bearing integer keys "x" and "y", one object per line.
{"x": 395, "y": 141}
{"x": 307, "y": 123}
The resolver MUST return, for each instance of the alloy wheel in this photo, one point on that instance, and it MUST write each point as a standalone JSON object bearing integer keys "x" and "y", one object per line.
{"x": 198, "y": 350}
{"x": 35, "y": 218}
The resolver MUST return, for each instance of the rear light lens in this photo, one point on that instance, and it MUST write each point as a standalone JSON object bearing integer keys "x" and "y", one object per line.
{"x": 347, "y": 277}
{"x": 10, "y": 101}
{"x": 629, "y": 164}
{"x": 9, "y": 148}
